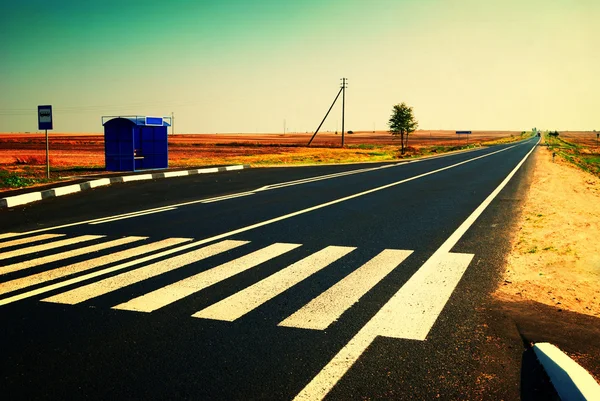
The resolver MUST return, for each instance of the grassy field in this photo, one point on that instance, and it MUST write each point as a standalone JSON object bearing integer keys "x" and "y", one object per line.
{"x": 22, "y": 156}
{"x": 578, "y": 148}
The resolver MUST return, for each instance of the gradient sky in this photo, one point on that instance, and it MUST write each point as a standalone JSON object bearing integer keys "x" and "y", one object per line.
{"x": 248, "y": 65}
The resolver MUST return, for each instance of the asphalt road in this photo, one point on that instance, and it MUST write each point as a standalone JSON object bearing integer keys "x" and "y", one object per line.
{"x": 337, "y": 282}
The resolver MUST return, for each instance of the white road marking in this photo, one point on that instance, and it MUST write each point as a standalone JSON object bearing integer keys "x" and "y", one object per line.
{"x": 68, "y": 254}
{"x": 413, "y": 310}
{"x": 86, "y": 265}
{"x": 48, "y": 246}
{"x": 134, "y": 215}
{"x": 107, "y": 285}
{"x": 324, "y": 381}
{"x": 275, "y": 186}
{"x": 319, "y": 178}
{"x": 188, "y": 286}
{"x": 220, "y": 198}
{"x": 244, "y": 301}
{"x": 321, "y": 384}
{"x": 325, "y": 309}
{"x": 28, "y": 240}
{"x": 115, "y": 216}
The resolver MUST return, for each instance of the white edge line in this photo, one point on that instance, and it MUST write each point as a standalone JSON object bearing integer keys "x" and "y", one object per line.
{"x": 327, "y": 378}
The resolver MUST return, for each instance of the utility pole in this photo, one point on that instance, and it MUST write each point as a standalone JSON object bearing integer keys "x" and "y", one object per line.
{"x": 344, "y": 86}
{"x": 172, "y": 123}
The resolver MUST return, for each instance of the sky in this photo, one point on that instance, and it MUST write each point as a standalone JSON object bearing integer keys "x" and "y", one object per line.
{"x": 229, "y": 66}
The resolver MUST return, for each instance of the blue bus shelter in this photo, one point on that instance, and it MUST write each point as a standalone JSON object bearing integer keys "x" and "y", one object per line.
{"x": 134, "y": 143}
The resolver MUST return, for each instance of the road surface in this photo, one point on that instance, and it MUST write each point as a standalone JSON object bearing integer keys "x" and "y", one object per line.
{"x": 331, "y": 282}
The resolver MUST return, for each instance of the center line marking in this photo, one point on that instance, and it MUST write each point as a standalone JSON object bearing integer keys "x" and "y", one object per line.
{"x": 262, "y": 189}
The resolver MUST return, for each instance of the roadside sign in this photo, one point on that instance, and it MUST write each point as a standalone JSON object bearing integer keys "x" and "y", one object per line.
{"x": 463, "y": 132}
{"x": 44, "y": 117}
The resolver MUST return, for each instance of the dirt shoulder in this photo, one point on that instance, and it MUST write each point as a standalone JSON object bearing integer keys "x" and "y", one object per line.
{"x": 550, "y": 287}
{"x": 555, "y": 257}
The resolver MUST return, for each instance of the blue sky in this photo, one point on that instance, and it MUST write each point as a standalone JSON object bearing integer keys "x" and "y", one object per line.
{"x": 246, "y": 66}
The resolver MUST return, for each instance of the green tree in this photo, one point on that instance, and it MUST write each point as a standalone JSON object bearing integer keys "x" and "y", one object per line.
{"x": 402, "y": 122}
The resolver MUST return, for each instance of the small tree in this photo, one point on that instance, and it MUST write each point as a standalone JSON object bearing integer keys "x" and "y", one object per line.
{"x": 402, "y": 122}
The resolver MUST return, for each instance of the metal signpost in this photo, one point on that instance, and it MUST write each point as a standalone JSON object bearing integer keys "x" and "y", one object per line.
{"x": 465, "y": 133}
{"x": 45, "y": 123}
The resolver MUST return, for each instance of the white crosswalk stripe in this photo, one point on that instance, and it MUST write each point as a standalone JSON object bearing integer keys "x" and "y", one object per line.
{"x": 252, "y": 297}
{"x": 9, "y": 235}
{"x": 322, "y": 311}
{"x": 47, "y": 247}
{"x": 29, "y": 240}
{"x": 186, "y": 287}
{"x": 107, "y": 285}
{"x": 68, "y": 254}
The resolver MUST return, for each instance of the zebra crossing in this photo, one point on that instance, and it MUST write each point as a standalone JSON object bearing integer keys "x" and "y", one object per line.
{"x": 47, "y": 263}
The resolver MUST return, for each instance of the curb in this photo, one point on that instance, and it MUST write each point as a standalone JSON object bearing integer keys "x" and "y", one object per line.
{"x": 571, "y": 381}
{"x": 29, "y": 197}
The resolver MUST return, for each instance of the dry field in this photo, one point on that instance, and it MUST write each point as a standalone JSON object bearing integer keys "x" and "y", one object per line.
{"x": 578, "y": 148}
{"x": 583, "y": 138}
{"x": 23, "y": 154}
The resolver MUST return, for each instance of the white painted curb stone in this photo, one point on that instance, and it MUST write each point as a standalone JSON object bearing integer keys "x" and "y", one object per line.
{"x": 571, "y": 381}
{"x": 23, "y": 199}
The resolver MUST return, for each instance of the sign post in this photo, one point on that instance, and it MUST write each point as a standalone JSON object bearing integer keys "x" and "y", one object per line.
{"x": 45, "y": 123}
{"x": 464, "y": 132}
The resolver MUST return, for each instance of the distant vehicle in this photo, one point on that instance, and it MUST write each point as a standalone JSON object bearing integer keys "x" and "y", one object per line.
{"x": 350, "y": 132}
